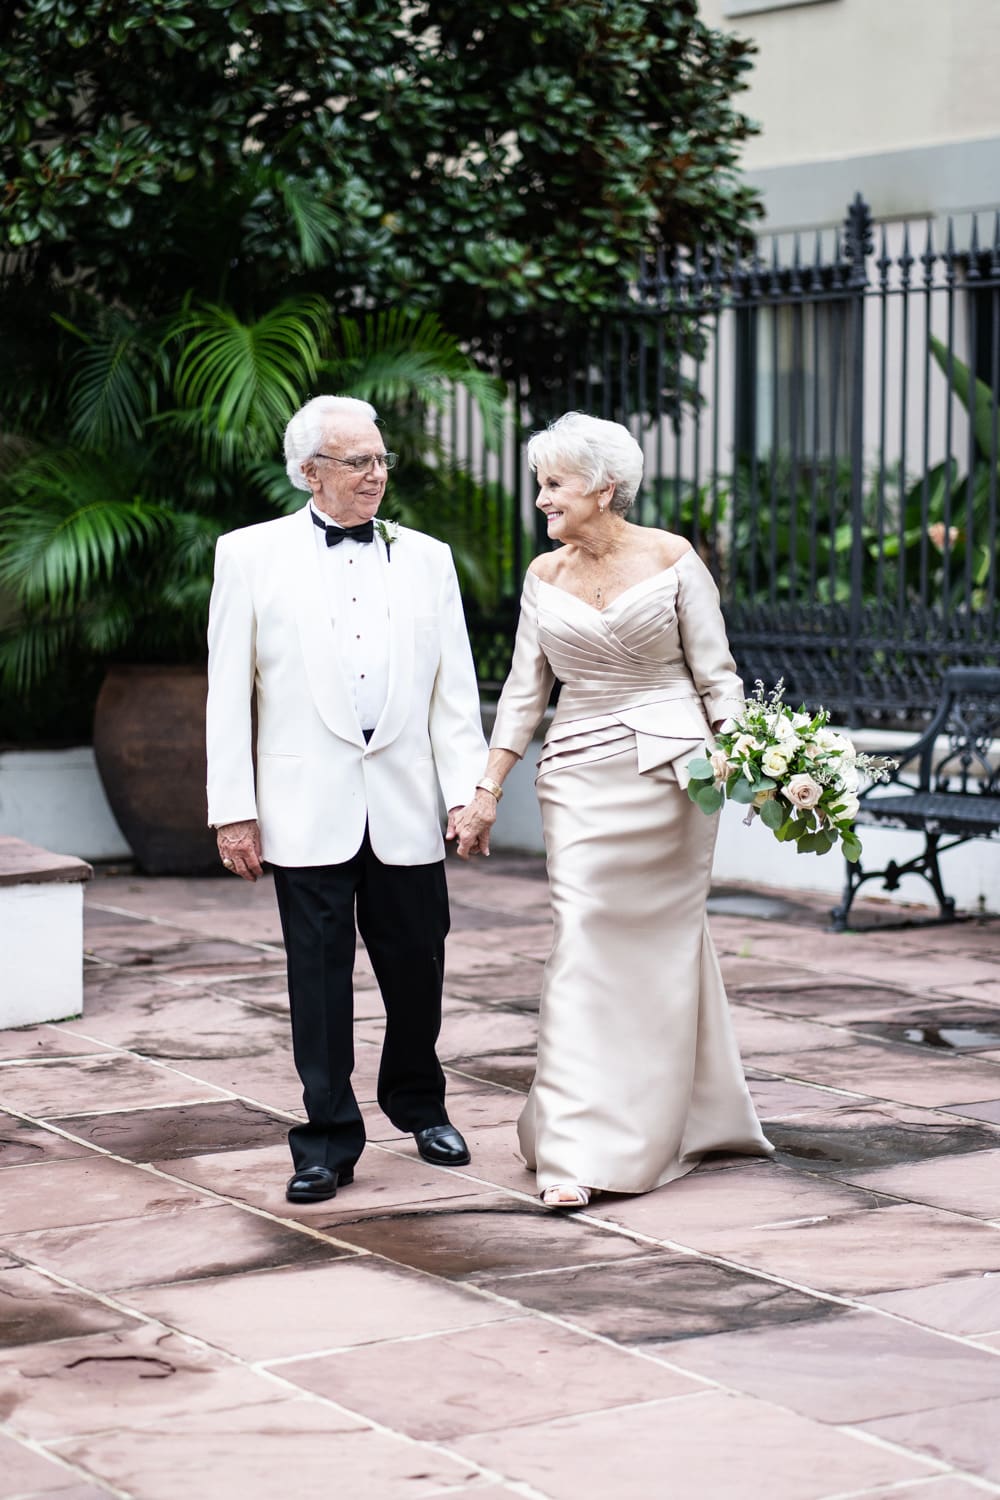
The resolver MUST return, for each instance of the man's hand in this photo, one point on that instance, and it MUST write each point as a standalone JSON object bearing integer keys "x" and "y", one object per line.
{"x": 239, "y": 848}
{"x": 471, "y": 825}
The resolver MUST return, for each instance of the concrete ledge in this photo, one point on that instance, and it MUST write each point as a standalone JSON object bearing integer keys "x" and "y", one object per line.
{"x": 41, "y": 934}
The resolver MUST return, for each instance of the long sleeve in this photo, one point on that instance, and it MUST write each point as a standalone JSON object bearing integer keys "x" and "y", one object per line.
{"x": 705, "y": 644}
{"x": 529, "y": 682}
{"x": 231, "y": 674}
{"x": 454, "y": 720}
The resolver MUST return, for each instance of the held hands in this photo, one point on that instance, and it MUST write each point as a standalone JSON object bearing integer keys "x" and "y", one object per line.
{"x": 471, "y": 825}
{"x": 239, "y": 848}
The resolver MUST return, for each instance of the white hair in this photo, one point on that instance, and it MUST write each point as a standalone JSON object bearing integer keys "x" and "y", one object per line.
{"x": 601, "y": 452}
{"x": 306, "y": 432}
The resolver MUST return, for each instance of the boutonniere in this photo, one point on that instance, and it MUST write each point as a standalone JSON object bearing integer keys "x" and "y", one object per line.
{"x": 389, "y": 532}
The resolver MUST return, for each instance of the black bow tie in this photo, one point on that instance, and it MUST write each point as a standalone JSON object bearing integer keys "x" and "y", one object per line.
{"x": 336, "y": 534}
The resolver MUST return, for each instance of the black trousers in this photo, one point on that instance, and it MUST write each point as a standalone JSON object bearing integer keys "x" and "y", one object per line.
{"x": 402, "y": 915}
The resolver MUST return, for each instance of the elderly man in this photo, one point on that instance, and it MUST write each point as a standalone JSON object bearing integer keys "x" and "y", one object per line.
{"x": 352, "y": 637}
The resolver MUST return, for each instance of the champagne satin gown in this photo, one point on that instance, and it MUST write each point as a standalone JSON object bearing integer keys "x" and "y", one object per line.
{"x": 638, "y": 1069}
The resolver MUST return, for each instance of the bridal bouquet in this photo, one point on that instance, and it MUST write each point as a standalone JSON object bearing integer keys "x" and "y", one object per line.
{"x": 795, "y": 773}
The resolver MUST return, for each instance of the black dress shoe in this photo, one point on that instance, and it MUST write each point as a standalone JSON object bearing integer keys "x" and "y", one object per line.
{"x": 315, "y": 1184}
{"x": 442, "y": 1146}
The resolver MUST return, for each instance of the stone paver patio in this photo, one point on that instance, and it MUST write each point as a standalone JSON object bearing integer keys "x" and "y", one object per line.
{"x": 826, "y": 1325}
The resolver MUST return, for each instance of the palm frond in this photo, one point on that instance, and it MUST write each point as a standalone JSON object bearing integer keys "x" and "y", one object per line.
{"x": 249, "y": 375}
{"x": 70, "y": 526}
{"x": 317, "y": 225}
{"x": 30, "y": 649}
{"x": 113, "y": 386}
{"x": 271, "y": 478}
{"x": 399, "y": 357}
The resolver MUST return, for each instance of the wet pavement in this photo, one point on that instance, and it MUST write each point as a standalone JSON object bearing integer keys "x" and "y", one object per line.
{"x": 823, "y": 1326}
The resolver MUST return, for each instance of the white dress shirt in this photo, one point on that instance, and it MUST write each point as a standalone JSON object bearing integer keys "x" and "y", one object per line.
{"x": 355, "y": 586}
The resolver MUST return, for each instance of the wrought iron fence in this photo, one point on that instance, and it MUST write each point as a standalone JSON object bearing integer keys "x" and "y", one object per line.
{"x": 822, "y": 422}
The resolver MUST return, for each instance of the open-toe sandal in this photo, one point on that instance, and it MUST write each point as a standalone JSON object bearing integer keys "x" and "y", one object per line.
{"x": 567, "y": 1195}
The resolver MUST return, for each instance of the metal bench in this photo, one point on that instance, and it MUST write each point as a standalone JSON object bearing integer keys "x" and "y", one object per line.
{"x": 950, "y": 792}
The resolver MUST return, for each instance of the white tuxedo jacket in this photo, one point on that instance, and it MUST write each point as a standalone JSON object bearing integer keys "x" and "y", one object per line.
{"x": 271, "y": 633}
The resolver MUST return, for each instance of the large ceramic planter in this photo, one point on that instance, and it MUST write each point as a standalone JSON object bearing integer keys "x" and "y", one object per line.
{"x": 149, "y": 742}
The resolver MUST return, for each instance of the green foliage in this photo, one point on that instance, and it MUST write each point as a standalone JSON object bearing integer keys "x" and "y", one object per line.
{"x": 107, "y": 543}
{"x": 494, "y": 159}
{"x": 919, "y": 543}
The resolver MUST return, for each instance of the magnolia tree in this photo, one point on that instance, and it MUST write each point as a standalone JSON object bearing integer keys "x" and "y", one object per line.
{"x": 483, "y": 160}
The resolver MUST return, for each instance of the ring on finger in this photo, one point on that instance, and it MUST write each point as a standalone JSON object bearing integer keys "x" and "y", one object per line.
{"x": 228, "y": 864}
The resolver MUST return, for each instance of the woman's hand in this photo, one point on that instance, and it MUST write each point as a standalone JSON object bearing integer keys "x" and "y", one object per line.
{"x": 471, "y": 825}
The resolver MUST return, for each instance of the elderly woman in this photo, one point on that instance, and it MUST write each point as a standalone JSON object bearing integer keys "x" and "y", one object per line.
{"x": 638, "y": 1070}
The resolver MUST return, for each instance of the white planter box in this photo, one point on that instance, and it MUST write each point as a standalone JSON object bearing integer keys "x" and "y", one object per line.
{"x": 41, "y": 935}
{"x": 54, "y": 798}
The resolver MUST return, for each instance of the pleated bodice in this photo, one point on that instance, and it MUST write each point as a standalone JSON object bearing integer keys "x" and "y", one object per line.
{"x": 654, "y": 664}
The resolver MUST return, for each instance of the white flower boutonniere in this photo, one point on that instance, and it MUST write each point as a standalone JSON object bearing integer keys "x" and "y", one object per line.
{"x": 389, "y": 532}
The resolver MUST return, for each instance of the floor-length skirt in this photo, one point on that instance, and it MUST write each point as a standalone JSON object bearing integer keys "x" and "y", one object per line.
{"x": 638, "y": 1069}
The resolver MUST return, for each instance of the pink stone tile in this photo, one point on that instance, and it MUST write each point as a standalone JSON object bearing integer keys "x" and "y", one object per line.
{"x": 383, "y": 1179}
{"x": 518, "y": 979}
{"x": 906, "y": 1075}
{"x": 34, "y": 1310}
{"x": 761, "y": 1036}
{"x": 140, "y": 1375}
{"x": 21, "y": 1143}
{"x": 739, "y": 970}
{"x": 523, "y": 1370}
{"x": 143, "y": 1135}
{"x": 285, "y": 1447}
{"x": 83, "y": 1190}
{"x": 270, "y": 1081}
{"x": 29, "y": 1042}
{"x": 510, "y": 1070}
{"x": 962, "y": 1435}
{"x": 963, "y": 1184}
{"x": 188, "y": 1026}
{"x": 28, "y": 1474}
{"x": 843, "y": 1370}
{"x": 473, "y": 1031}
{"x": 969, "y": 1305}
{"x": 495, "y": 1158}
{"x": 904, "y": 1245}
{"x": 712, "y": 1446}
{"x": 775, "y": 1099}
{"x": 947, "y": 1488}
{"x": 122, "y": 992}
{"x": 304, "y": 1311}
{"x": 111, "y": 1081}
{"x": 179, "y": 1246}
{"x": 984, "y": 1109}
{"x": 695, "y": 1209}
{"x": 471, "y": 1107}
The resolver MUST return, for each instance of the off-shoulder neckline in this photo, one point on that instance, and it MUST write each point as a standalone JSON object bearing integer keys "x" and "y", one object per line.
{"x": 632, "y": 588}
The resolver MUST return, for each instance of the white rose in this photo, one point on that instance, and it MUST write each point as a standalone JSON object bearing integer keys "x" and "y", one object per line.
{"x": 802, "y": 791}
{"x": 786, "y": 730}
{"x": 775, "y": 761}
{"x": 848, "y": 803}
{"x": 849, "y": 777}
{"x": 745, "y": 745}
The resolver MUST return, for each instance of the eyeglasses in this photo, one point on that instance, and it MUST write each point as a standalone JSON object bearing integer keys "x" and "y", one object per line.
{"x": 361, "y": 462}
